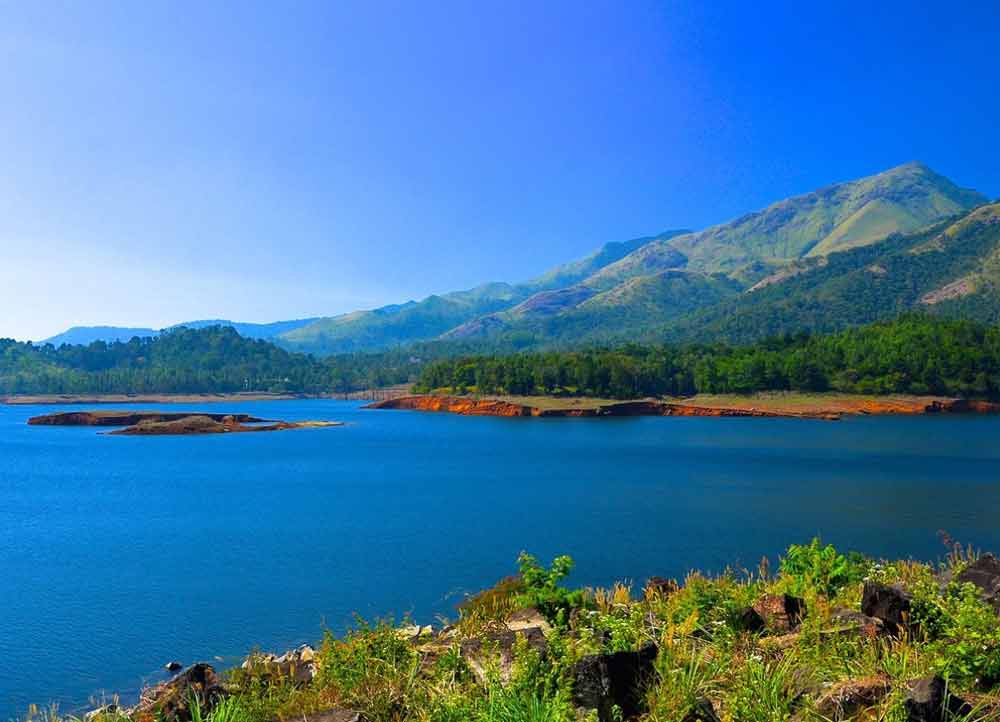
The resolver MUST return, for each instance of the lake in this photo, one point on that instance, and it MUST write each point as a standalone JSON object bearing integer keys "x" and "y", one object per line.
{"x": 118, "y": 554}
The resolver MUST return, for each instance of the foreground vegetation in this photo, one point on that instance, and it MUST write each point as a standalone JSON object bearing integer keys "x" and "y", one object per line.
{"x": 739, "y": 647}
{"x": 911, "y": 355}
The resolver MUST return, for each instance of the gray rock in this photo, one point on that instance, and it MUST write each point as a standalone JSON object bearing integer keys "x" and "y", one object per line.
{"x": 891, "y": 604}
{"x": 929, "y": 701}
{"x": 985, "y": 574}
{"x": 619, "y": 680}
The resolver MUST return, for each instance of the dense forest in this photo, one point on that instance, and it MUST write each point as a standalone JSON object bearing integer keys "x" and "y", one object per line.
{"x": 913, "y": 354}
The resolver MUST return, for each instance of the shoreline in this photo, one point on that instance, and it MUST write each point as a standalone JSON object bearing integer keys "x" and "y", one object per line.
{"x": 825, "y": 407}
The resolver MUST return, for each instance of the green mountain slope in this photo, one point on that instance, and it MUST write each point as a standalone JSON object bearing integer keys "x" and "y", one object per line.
{"x": 695, "y": 270}
{"x": 834, "y": 218}
{"x": 952, "y": 269}
{"x": 392, "y": 326}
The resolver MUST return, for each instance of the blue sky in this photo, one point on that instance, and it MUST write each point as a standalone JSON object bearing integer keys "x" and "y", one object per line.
{"x": 166, "y": 161}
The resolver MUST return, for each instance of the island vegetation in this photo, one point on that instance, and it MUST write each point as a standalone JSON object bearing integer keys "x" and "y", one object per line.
{"x": 823, "y": 636}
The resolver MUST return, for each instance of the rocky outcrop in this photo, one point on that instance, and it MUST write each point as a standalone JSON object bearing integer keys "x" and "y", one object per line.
{"x": 844, "y": 700}
{"x": 827, "y": 409}
{"x": 985, "y": 574}
{"x": 332, "y": 715}
{"x": 781, "y": 613}
{"x": 476, "y": 406}
{"x": 929, "y": 700}
{"x": 495, "y": 650}
{"x": 614, "y": 683}
{"x": 160, "y": 423}
{"x": 171, "y": 701}
{"x": 297, "y": 666}
{"x": 131, "y": 418}
{"x": 890, "y": 604}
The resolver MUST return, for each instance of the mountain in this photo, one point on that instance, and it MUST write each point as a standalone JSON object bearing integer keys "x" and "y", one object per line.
{"x": 664, "y": 279}
{"x": 391, "y": 326}
{"x": 676, "y": 284}
{"x": 951, "y": 269}
{"x": 84, "y": 335}
{"x": 250, "y": 330}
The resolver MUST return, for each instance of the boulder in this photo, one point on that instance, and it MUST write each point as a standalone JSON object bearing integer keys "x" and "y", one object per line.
{"x": 415, "y": 632}
{"x": 846, "y": 621}
{"x": 781, "y": 613}
{"x": 171, "y": 700}
{"x": 529, "y": 618}
{"x": 891, "y": 604}
{"x": 702, "y": 711}
{"x": 751, "y": 621}
{"x": 333, "y": 715}
{"x": 299, "y": 665}
{"x": 928, "y": 700}
{"x": 107, "y": 710}
{"x": 481, "y": 652}
{"x": 604, "y": 682}
{"x": 173, "y": 666}
{"x": 985, "y": 574}
{"x": 660, "y": 587}
{"x": 844, "y": 700}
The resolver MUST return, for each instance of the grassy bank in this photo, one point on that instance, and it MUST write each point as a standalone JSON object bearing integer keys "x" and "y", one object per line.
{"x": 745, "y": 646}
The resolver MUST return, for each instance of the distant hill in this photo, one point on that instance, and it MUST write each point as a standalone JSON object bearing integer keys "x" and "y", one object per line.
{"x": 182, "y": 360}
{"x": 84, "y": 335}
{"x": 88, "y": 334}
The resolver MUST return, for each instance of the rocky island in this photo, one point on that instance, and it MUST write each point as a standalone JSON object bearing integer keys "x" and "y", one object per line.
{"x": 826, "y": 637}
{"x": 173, "y": 423}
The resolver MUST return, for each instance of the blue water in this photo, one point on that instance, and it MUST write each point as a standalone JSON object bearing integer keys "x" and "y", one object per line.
{"x": 118, "y": 554}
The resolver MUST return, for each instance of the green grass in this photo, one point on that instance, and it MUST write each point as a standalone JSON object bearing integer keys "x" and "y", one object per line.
{"x": 703, "y": 654}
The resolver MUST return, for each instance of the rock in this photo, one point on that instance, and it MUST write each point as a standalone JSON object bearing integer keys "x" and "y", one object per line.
{"x": 929, "y": 701}
{"x": 173, "y": 666}
{"x": 102, "y": 711}
{"x": 660, "y": 588}
{"x": 985, "y": 574}
{"x": 851, "y": 622}
{"x": 414, "y": 632}
{"x": 527, "y": 619}
{"x": 298, "y": 666}
{"x": 603, "y": 682}
{"x": 170, "y": 701}
{"x": 702, "y": 711}
{"x": 751, "y": 621}
{"x": 480, "y": 652}
{"x": 782, "y": 613}
{"x": 891, "y": 604}
{"x": 846, "y": 699}
{"x": 333, "y": 715}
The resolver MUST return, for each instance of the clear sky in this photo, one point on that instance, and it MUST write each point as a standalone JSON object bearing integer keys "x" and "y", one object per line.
{"x": 167, "y": 161}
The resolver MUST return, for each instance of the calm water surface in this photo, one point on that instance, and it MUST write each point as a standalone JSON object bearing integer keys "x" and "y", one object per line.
{"x": 118, "y": 554}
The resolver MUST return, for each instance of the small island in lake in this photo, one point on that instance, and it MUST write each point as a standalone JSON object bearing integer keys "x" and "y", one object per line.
{"x": 160, "y": 423}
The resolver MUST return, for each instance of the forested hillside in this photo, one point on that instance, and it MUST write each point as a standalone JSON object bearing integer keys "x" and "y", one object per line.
{"x": 214, "y": 359}
{"x": 914, "y": 354}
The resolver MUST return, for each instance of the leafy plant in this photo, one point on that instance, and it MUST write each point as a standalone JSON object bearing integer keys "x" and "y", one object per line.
{"x": 820, "y": 568}
{"x": 543, "y": 592}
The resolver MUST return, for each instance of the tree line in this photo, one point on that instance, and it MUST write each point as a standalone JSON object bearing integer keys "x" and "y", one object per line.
{"x": 914, "y": 354}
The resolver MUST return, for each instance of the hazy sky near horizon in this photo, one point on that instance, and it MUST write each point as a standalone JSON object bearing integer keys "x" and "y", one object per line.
{"x": 169, "y": 161}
